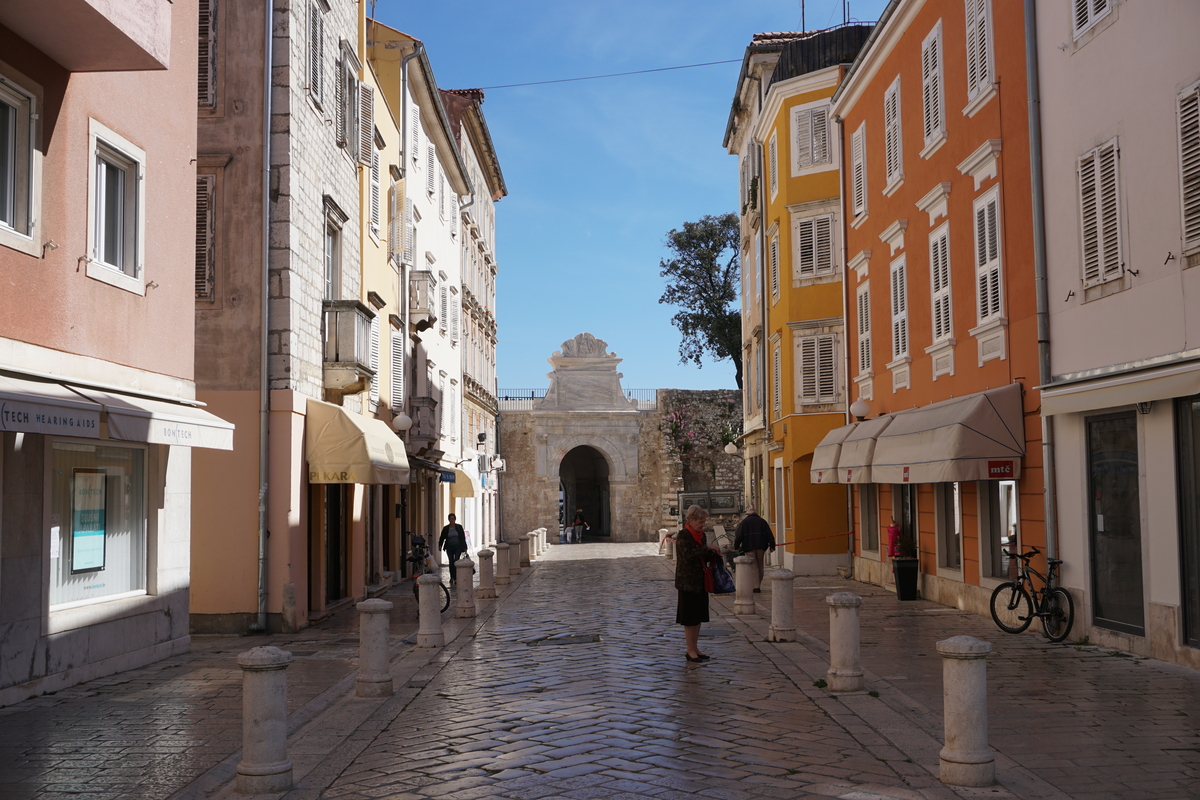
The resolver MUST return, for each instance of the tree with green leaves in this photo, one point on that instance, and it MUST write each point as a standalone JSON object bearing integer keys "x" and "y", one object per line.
{"x": 702, "y": 280}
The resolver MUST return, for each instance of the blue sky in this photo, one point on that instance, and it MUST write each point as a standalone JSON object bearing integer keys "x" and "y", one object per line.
{"x": 599, "y": 171}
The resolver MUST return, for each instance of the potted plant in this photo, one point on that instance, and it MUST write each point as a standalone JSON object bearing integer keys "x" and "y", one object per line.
{"x": 905, "y": 565}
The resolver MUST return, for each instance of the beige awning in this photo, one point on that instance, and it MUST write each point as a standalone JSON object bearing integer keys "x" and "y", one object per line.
{"x": 976, "y": 437}
{"x": 40, "y": 407}
{"x": 462, "y": 485}
{"x": 858, "y": 448}
{"x": 825, "y": 457}
{"x": 1123, "y": 390}
{"x": 138, "y": 419}
{"x": 351, "y": 448}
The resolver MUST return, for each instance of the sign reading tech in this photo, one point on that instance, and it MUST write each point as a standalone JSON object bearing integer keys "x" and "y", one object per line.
{"x": 39, "y": 418}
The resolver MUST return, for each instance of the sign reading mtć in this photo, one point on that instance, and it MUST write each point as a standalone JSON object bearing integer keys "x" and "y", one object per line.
{"x": 1000, "y": 470}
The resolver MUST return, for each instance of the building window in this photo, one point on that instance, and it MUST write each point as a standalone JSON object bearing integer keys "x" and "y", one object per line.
{"x": 776, "y": 380}
{"x": 396, "y": 351}
{"x": 899, "y": 309}
{"x": 858, "y": 170}
{"x": 206, "y": 185}
{"x": 979, "y": 47}
{"x": 97, "y": 522}
{"x": 949, "y": 524}
{"x": 373, "y": 357}
{"x": 810, "y": 134}
{"x": 817, "y": 359}
{"x": 454, "y": 309}
{"x": 1189, "y": 172}
{"x": 1088, "y": 12}
{"x": 891, "y": 136}
{"x": 352, "y": 111}
{"x": 774, "y": 268}
{"x": 335, "y": 218}
{"x": 118, "y": 209}
{"x": 773, "y": 165}
{"x": 932, "y": 83}
{"x": 441, "y": 406}
{"x": 1099, "y": 204}
{"x": 19, "y": 167}
{"x": 443, "y": 318}
{"x": 864, "y": 330}
{"x": 813, "y": 239}
{"x": 868, "y": 499}
{"x": 999, "y": 526}
{"x": 430, "y": 169}
{"x": 375, "y": 191}
{"x": 939, "y": 278}
{"x": 206, "y": 61}
{"x": 987, "y": 255}
{"x": 316, "y": 52}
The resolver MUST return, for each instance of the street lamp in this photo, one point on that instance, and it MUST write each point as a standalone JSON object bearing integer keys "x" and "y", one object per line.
{"x": 731, "y": 449}
{"x": 401, "y": 422}
{"x": 860, "y": 408}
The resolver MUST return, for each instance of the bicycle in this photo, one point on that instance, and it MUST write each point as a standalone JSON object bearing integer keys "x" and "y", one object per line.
{"x": 423, "y": 564}
{"x": 1015, "y": 603}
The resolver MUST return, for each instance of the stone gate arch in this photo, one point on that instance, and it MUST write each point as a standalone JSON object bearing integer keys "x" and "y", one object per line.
{"x": 583, "y": 478}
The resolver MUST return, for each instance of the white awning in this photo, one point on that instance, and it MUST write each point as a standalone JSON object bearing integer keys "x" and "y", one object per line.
{"x": 825, "y": 457}
{"x": 350, "y": 448}
{"x": 462, "y": 486}
{"x": 858, "y": 448}
{"x": 137, "y": 419}
{"x": 1164, "y": 383}
{"x": 37, "y": 407}
{"x": 976, "y": 437}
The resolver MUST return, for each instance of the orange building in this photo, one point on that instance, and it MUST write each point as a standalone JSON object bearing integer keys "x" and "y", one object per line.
{"x": 941, "y": 311}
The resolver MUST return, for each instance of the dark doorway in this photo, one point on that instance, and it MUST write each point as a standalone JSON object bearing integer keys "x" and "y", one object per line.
{"x": 1187, "y": 418}
{"x": 583, "y": 476}
{"x": 1115, "y": 524}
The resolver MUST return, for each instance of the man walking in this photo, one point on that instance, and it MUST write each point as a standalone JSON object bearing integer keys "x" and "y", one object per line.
{"x": 454, "y": 541}
{"x": 754, "y": 538}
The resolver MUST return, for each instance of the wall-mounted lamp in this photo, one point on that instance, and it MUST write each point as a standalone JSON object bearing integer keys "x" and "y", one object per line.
{"x": 1145, "y": 407}
{"x": 859, "y": 409}
{"x": 731, "y": 449}
{"x": 401, "y": 422}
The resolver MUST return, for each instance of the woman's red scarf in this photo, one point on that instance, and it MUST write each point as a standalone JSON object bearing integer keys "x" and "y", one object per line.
{"x": 698, "y": 536}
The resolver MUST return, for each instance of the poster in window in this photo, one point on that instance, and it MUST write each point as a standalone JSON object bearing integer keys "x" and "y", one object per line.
{"x": 87, "y": 521}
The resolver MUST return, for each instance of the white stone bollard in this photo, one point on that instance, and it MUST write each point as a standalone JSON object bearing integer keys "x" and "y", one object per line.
{"x": 783, "y": 616}
{"x": 525, "y": 554}
{"x": 543, "y": 545}
{"x": 265, "y": 767}
{"x": 966, "y": 760}
{"x": 845, "y": 658}
{"x": 744, "y": 574}
{"x": 669, "y": 548}
{"x": 502, "y": 572}
{"x": 487, "y": 578}
{"x": 514, "y": 559}
{"x": 429, "y": 628}
{"x": 374, "y": 665}
{"x": 465, "y": 607}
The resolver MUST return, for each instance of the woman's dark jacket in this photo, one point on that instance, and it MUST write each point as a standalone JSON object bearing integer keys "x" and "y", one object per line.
{"x": 753, "y": 533}
{"x": 689, "y": 563}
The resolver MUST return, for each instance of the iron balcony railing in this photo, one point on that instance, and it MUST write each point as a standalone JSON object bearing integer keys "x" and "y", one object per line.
{"x": 527, "y": 399}
{"x": 820, "y": 49}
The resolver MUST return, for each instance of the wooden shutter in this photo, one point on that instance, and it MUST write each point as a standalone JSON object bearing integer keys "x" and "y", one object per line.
{"x": 891, "y": 131}
{"x": 864, "y": 330}
{"x": 827, "y": 369}
{"x": 814, "y": 238}
{"x": 453, "y": 214}
{"x": 899, "y": 310}
{"x": 939, "y": 267}
{"x": 1189, "y": 165}
{"x": 774, "y": 163}
{"x": 443, "y": 322}
{"x": 441, "y": 407}
{"x": 820, "y": 136}
{"x": 410, "y": 233}
{"x": 931, "y": 84}
{"x": 205, "y": 229}
{"x": 1099, "y": 210}
{"x": 206, "y": 63}
{"x": 802, "y": 123}
{"x": 340, "y": 100}
{"x": 776, "y": 379}
{"x": 366, "y": 127}
{"x": 454, "y": 321}
{"x": 416, "y": 133}
{"x": 441, "y": 194}
{"x": 858, "y": 170}
{"x": 316, "y": 52}
{"x": 374, "y": 359}
{"x": 978, "y": 47}
{"x": 395, "y": 231}
{"x": 396, "y": 351}
{"x": 774, "y": 267}
{"x": 430, "y": 169}
{"x": 987, "y": 256}
{"x": 375, "y": 190}
{"x": 808, "y": 370}
{"x": 1087, "y": 12}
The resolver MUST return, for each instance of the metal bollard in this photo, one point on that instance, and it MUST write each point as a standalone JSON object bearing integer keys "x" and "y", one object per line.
{"x": 374, "y": 665}
{"x": 514, "y": 559}
{"x": 845, "y": 658}
{"x": 744, "y": 574}
{"x": 264, "y": 768}
{"x": 429, "y": 628}
{"x": 783, "y": 622}
{"x": 465, "y": 607}
{"x": 502, "y": 574}
{"x": 525, "y": 555}
{"x": 966, "y": 760}
{"x": 487, "y": 578}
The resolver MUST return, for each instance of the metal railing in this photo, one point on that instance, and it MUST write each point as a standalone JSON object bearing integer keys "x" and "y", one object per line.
{"x": 820, "y": 49}
{"x": 527, "y": 399}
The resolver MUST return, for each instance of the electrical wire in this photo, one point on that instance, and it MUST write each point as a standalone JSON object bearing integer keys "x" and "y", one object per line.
{"x": 612, "y": 75}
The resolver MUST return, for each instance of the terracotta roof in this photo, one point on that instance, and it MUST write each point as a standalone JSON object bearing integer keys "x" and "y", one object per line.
{"x": 776, "y": 37}
{"x": 474, "y": 94}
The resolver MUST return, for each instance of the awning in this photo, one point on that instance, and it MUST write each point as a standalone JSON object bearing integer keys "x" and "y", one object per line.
{"x": 137, "y": 419}
{"x": 462, "y": 485}
{"x": 1123, "y": 390}
{"x": 976, "y": 437}
{"x": 825, "y": 457}
{"x": 350, "y": 448}
{"x": 36, "y": 407}
{"x": 854, "y": 462}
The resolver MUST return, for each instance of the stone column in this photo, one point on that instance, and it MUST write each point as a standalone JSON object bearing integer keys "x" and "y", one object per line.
{"x": 265, "y": 768}
{"x": 845, "y": 661}
{"x": 502, "y": 574}
{"x": 429, "y": 628}
{"x": 465, "y": 607}
{"x": 744, "y": 574}
{"x": 514, "y": 559}
{"x": 526, "y": 560}
{"x": 783, "y": 612}
{"x": 487, "y": 578}
{"x": 966, "y": 760}
{"x": 374, "y": 665}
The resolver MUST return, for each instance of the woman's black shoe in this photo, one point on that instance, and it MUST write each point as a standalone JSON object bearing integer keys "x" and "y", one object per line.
{"x": 697, "y": 659}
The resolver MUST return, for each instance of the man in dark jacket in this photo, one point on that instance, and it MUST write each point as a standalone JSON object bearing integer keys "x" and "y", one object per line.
{"x": 754, "y": 538}
{"x": 454, "y": 541}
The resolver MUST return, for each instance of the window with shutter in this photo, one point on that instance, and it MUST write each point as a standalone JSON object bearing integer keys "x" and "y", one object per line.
{"x": 743, "y": 185}
{"x": 899, "y": 309}
{"x": 864, "y": 330}
{"x": 316, "y": 52}
{"x": 375, "y": 191}
{"x": 374, "y": 358}
{"x": 366, "y": 123}
{"x": 454, "y": 215}
{"x": 1189, "y": 169}
{"x": 810, "y": 137}
{"x": 939, "y": 278}
{"x": 395, "y": 243}
{"x": 416, "y": 133}
{"x": 776, "y": 380}
{"x": 858, "y": 170}
{"x": 441, "y": 407}
{"x": 430, "y": 169}
{"x": 206, "y": 90}
{"x": 818, "y": 371}
{"x": 1099, "y": 204}
{"x": 205, "y": 229}
{"x": 773, "y": 166}
{"x": 410, "y": 233}
{"x": 341, "y": 113}
{"x": 979, "y": 46}
{"x": 891, "y": 133}
{"x": 814, "y": 246}
{"x": 1089, "y": 12}
{"x": 987, "y": 255}
{"x": 802, "y": 126}
{"x": 443, "y": 318}
{"x": 774, "y": 267}
{"x": 932, "y": 80}
{"x": 454, "y": 307}
{"x": 396, "y": 350}
{"x": 453, "y": 411}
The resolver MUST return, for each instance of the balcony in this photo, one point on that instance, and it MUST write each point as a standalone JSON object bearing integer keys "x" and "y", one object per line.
{"x": 94, "y": 36}
{"x": 422, "y": 299}
{"x": 348, "y": 346}
{"x": 424, "y": 433}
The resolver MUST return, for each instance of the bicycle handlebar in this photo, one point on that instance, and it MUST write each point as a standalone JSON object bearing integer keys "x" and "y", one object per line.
{"x": 1023, "y": 556}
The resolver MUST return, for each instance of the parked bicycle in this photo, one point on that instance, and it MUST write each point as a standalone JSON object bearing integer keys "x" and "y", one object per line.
{"x": 1015, "y": 603}
{"x": 424, "y": 564}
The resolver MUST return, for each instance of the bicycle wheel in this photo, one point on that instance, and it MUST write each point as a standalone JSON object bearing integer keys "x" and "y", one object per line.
{"x": 445, "y": 596}
{"x": 1058, "y": 614}
{"x": 1012, "y": 609}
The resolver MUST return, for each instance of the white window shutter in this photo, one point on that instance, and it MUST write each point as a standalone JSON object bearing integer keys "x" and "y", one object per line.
{"x": 827, "y": 369}
{"x": 802, "y": 124}
{"x": 1189, "y": 165}
{"x": 339, "y": 100}
{"x": 806, "y": 246}
{"x": 366, "y": 125}
{"x": 939, "y": 267}
{"x": 777, "y": 368}
{"x": 430, "y": 169}
{"x": 899, "y": 310}
{"x": 774, "y": 267}
{"x": 987, "y": 257}
{"x": 454, "y": 214}
{"x": 410, "y": 233}
{"x": 375, "y": 190}
{"x": 441, "y": 407}
{"x": 375, "y": 361}
{"x": 809, "y": 370}
{"x": 205, "y": 229}
{"x": 443, "y": 322}
{"x": 416, "y": 133}
{"x": 931, "y": 85}
{"x": 396, "y": 351}
{"x": 820, "y": 136}
{"x": 316, "y": 51}
{"x": 774, "y": 163}
{"x": 978, "y": 47}
{"x": 823, "y": 245}
{"x": 858, "y": 170}
{"x": 453, "y": 411}
{"x": 454, "y": 322}
{"x": 395, "y": 232}
{"x": 891, "y": 131}
{"x": 864, "y": 331}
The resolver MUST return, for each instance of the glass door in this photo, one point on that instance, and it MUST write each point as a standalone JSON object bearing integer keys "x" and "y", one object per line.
{"x": 1187, "y": 418}
{"x": 1114, "y": 523}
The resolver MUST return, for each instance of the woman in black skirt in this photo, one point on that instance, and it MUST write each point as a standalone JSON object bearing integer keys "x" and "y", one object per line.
{"x": 690, "y": 551}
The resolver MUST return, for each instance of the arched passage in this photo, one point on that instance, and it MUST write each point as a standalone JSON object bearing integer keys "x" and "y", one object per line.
{"x": 583, "y": 480}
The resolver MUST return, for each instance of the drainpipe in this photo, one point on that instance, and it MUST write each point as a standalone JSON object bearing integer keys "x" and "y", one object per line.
{"x": 846, "y": 327}
{"x": 264, "y": 384}
{"x": 1050, "y": 495}
{"x": 404, "y": 109}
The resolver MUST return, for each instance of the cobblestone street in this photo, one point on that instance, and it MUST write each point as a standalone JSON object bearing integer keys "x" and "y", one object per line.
{"x": 574, "y": 685}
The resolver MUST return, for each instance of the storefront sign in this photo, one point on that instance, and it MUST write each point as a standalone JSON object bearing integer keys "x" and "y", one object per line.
{"x": 87, "y": 529}
{"x": 38, "y": 418}
{"x": 1000, "y": 469}
{"x": 446, "y": 476}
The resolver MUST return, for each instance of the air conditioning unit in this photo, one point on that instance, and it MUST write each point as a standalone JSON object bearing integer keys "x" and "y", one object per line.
{"x": 501, "y": 465}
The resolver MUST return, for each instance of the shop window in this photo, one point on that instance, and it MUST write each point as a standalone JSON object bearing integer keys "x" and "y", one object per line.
{"x": 999, "y": 526}
{"x": 949, "y": 524}
{"x": 1115, "y": 523}
{"x": 97, "y": 522}
{"x": 868, "y": 499}
{"x": 1187, "y": 417}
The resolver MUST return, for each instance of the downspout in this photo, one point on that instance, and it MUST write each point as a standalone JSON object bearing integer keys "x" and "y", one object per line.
{"x": 1050, "y": 494}
{"x": 845, "y": 329}
{"x": 264, "y": 383}
{"x": 404, "y": 109}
